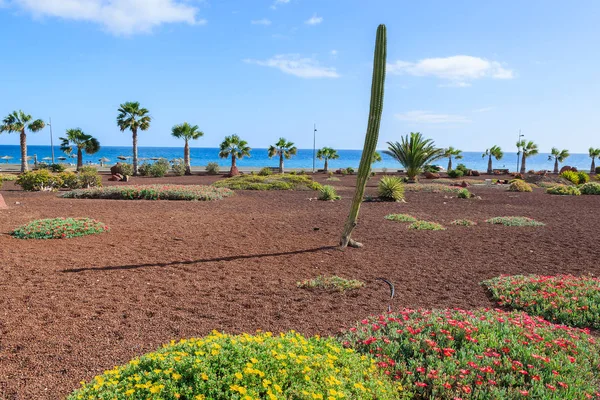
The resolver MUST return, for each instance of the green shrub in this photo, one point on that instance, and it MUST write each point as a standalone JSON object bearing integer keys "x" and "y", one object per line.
{"x": 562, "y": 299}
{"x": 598, "y": 170}
{"x": 390, "y": 188}
{"x": 481, "y": 354}
{"x": 59, "y": 228}
{"x": 463, "y": 168}
{"x": 88, "y": 178}
{"x": 330, "y": 174}
{"x": 331, "y": 283}
{"x": 40, "y": 180}
{"x": 273, "y": 182}
{"x": 264, "y": 366}
{"x": 571, "y": 176}
{"x": 8, "y": 177}
{"x": 514, "y": 221}
{"x": 464, "y": 194}
{"x": 349, "y": 170}
{"x": 178, "y": 167}
{"x": 400, "y": 218}
{"x": 265, "y": 171}
{"x": 518, "y": 185}
{"x": 431, "y": 168}
{"x": 328, "y": 193}
{"x": 426, "y": 226}
{"x": 212, "y": 168}
{"x": 455, "y": 173}
{"x": 583, "y": 177}
{"x": 151, "y": 192}
{"x": 590, "y": 188}
{"x": 50, "y": 167}
{"x": 563, "y": 190}
{"x": 126, "y": 169}
{"x": 463, "y": 222}
{"x": 157, "y": 169}
{"x": 69, "y": 180}
{"x": 432, "y": 188}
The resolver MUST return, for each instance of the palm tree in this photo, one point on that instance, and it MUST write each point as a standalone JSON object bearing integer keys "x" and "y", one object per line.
{"x": 236, "y": 148}
{"x": 452, "y": 152}
{"x": 376, "y": 157}
{"x": 528, "y": 149}
{"x": 187, "y": 132}
{"x": 283, "y": 149}
{"x": 77, "y": 138}
{"x": 593, "y": 154}
{"x": 494, "y": 151}
{"x": 133, "y": 117}
{"x": 18, "y": 121}
{"x": 414, "y": 152}
{"x": 558, "y": 156}
{"x": 327, "y": 153}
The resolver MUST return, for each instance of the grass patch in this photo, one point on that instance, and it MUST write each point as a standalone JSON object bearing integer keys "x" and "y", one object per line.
{"x": 426, "y": 226}
{"x": 431, "y": 188}
{"x": 563, "y": 299}
{"x": 563, "y": 190}
{"x": 272, "y": 182}
{"x": 484, "y": 354}
{"x": 333, "y": 179}
{"x": 463, "y": 222}
{"x": 332, "y": 283}
{"x": 263, "y": 366}
{"x": 59, "y": 228}
{"x": 514, "y": 221}
{"x": 400, "y": 218}
{"x": 151, "y": 192}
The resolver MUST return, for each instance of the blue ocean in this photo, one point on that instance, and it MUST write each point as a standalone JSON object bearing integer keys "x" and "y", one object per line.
{"x": 303, "y": 160}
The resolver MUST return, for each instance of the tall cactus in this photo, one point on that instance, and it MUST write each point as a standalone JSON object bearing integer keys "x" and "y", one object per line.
{"x": 371, "y": 137}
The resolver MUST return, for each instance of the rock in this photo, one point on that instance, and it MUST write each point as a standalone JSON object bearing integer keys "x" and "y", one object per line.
{"x": 116, "y": 169}
{"x": 568, "y": 168}
{"x": 464, "y": 184}
{"x": 431, "y": 175}
{"x": 114, "y": 178}
{"x": 3, "y": 205}
{"x": 474, "y": 173}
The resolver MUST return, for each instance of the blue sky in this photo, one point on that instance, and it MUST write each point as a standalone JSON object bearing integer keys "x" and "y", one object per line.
{"x": 465, "y": 73}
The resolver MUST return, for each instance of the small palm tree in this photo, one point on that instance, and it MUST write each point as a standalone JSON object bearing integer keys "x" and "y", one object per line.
{"x": 132, "y": 117}
{"x": 558, "y": 156}
{"x": 235, "y": 148}
{"x": 593, "y": 154}
{"x": 187, "y": 132}
{"x": 20, "y": 122}
{"x": 452, "y": 152}
{"x": 528, "y": 149}
{"x": 494, "y": 151}
{"x": 414, "y": 152}
{"x": 283, "y": 149}
{"x": 376, "y": 157}
{"x": 327, "y": 153}
{"x": 77, "y": 138}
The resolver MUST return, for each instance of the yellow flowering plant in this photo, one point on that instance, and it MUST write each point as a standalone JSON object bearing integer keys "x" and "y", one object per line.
{"x": 247, "y": 367}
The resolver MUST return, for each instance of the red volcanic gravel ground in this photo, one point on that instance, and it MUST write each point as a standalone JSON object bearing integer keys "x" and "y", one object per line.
{"x": 69, "y": 309}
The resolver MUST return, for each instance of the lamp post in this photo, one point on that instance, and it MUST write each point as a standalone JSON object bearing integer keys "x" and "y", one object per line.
{"x": 51, "y": 142}
{"x": 314, "y": 147}
{"x": 519, "y": 149}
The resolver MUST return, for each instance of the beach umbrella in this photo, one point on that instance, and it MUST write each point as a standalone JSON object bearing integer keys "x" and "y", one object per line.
{"x": 104, "y": 159}
{"x": 62, "y": 158}
{"x": 155, "y": 158}
{"x": 47, "y": 158}
{"x": 123, "y": 157}
{"x": 6, "y": 158}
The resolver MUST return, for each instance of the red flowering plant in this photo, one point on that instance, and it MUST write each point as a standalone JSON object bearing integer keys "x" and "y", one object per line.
{"x": 484, "y": 354}
{"x": 59, "y": 228}
{"x": 564, "y": 299}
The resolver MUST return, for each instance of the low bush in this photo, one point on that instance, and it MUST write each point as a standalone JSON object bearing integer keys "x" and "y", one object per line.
{"x": 563, "y": 190}
{"x": 69, "y": 180}
{"x": 219, "y": 366}
{"x": 178, "y": 167}
{"x": 88, "y": 178}
{"x": 151, "y": 192}
{"x": 592, "y": 188}
{"x": 51, "y": 167}
{"x": 432, "y": 188}
{"x": 431, "y": 168}
{"x": 464, "y": 194}
{"x": 212, "y": 168}
{"x": 333, "y": 179}
{"x": 390, "y": 188}
{"x": 563, "y": 299}
{"x": 265, "y": 171}
{"x": 349, "y": 170}
{"x": 157, "y": 169}
{"x": 518, "y": 185}
{"x": 8, "y": 177}
{"x": 426, "y": 226}
{"x": 328, "y": 193}
{"x": 59, "y": 228}
{"x": 575, "y": 177}
{"x": 514, "y": 221}
{"x": 400, "y": 218}
{"x": 273, "y": 182}
{"x": 583, "y": 177}
{"x": 463, "y": 222}
{"x": 455, "y": 173}
{"x": 40, "y": 180}
{"x": 483, "y": 354}
{"x": 333, "y": 283}
{"x": 463, "y": 168}
{"x": 126, "y": 169}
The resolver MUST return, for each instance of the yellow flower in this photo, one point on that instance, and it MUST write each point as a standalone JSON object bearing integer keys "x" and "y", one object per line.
{"x": 130, "y": 392}
{"x": 176, "y": 376}
{"x": 238, "y": 375}
{"x": 204, "y": 377}
{"x": 277, "y": 388}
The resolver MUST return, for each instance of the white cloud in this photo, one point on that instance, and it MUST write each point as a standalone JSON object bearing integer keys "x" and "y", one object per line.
{"x": 314, "y": 20}
{"x": 294, "y": 64}
{"x": 121, "y": 17}
{"x": 484, "y": 109}
{"x": 428, "y": 117}
{"x": 263, "y": 21}
{"x": 457, "y": 69}
{"x": 278, "y": 3}
{"x": 334, "y": 52}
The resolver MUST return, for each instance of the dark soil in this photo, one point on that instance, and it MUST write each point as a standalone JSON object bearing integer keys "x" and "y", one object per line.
{"x": 69, "y": 309}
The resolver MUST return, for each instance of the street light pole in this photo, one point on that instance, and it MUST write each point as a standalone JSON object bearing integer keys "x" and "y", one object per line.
{"x": 51, "y": 142}
{"x": 314, "y": 147}
{"x": 519, "y": 150}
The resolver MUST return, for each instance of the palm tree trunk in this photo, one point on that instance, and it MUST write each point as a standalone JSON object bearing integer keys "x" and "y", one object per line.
{"x": 490, "y": 168}
{"x": 135, "y": 152}
{"x": 79, "y": 159}
{"x": 186, "y": 158}
{"x": 523, "y": 159}
{"x": 233, "y": 159}
{"x": 449, "y": 163}
{"x": 556, "y": 165}
{"x": 593, "y": 167}
{"x": 24, "y": 164}
{"x": 281, "y": 163}
{"x": 326, "y": 165}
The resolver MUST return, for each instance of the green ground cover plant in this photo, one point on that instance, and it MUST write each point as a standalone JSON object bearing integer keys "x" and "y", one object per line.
{"x": 463, "y": 222}
{"x": 591, "y": 188}
{"x": 464, "y": 194}
{"x": 400, "y": 218}
{"x": 328, "y": 193}
{"x": 59, "y": 228}
{"x": 514, "y": 221}
{"x": 432, "y": 188}
{"x": 151, "y": 192}
{"x": 563, "y": 299}
{"x": 426, "y": 226}
{"x": 334, "y": 283}
{"x": 272, "y": 182}
{"x": 564, "y": 190}
{"x": 518, "y": 185}
{"x": 263, "y": 366}
{"x": 482, "y": 354}
{"x": 8, "y": 177}
{"x": 577, "y": 178}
